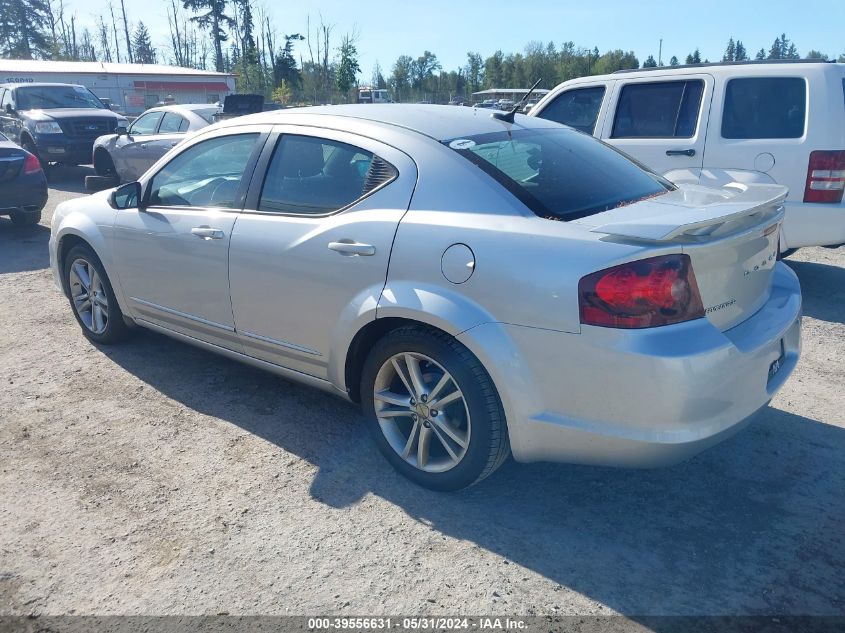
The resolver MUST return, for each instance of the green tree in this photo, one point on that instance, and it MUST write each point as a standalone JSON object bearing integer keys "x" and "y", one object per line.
{"x": 23, "y": 29}
{"x": 814, "y": 54}
{"x": 493, "y": 75}
{"x": 284, "y": 64}
{"x": 615, "y": 60}
{"x": 673, "y": 61}
{"x": 142, "y": 46}
{"x": 694, "y": 57}
{"x": 650, "y": 62}
{"x": 282, "y": 93}
{"x": 377, "y": 79}
{"x": 740, "y": 54}
{"x": 761, "y": 54}
{"x": 730, "y": 51}
{"x": 474, "y": 70}
{"x": 400, "y": 76}
{"x": 423, "y": 69}
{"x": 212, "y": 16}
{"x": 347, "y": 68}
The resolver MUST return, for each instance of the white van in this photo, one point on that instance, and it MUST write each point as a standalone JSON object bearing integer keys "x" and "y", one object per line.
{"x": 373, "y": 95}
{"x": 711, "y": 124}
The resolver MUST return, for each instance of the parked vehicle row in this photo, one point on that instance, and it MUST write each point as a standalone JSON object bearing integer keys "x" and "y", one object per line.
{"x": 481, "y": 285}
{"x": 717, "y": 124}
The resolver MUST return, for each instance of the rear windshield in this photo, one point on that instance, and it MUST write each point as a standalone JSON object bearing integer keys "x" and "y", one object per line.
{"x": 560, "y": 174}
{"x": 207, "y": 114}
{"x": 48, "y": 97}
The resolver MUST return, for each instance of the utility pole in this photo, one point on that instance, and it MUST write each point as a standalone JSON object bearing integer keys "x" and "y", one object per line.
{"x": 660, "y": 53}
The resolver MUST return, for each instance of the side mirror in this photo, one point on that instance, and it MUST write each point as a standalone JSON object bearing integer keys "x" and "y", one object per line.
{"x": 120, "y": 130}
{"x": 126, "y": 196}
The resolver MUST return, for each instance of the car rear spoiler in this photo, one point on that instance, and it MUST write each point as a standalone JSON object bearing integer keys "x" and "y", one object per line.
{"x": 698, "y": 212}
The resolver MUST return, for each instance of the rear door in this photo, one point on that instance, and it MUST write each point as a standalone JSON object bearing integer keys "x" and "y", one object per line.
{"x": 662, "y": 122}
{"x": 311, "y": 249}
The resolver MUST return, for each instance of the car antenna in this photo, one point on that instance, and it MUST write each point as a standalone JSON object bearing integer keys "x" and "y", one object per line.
{"x": 508, "y": 116}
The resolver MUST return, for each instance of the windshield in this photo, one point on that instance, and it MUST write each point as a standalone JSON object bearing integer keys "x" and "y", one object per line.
{"x": 561, "y": 174}
{"x": 51, "y": 97}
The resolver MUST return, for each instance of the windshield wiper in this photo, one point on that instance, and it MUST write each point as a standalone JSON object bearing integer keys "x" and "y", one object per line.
{"x": 509, "y": 116}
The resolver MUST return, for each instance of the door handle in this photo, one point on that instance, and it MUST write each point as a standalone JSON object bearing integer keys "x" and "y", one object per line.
{"x": 350, "y": 248}
{"x": 143, "y": 146}
{"x": 680, "y": 152}
{"x": 207, "y": 233}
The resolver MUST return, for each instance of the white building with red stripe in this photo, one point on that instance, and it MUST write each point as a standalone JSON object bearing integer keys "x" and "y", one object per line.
{"x": 131, "y": 88}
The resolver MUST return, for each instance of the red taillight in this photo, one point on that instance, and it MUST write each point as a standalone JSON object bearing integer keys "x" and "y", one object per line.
{"x": 646, "y": 293}
{"x": 825, "y": 177}
{"x": 31, "y": 164}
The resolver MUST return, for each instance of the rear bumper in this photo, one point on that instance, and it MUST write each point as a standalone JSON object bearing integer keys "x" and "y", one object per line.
{"x": 639, "y": 398}
{"x": 26, "y": 192}
{"x": 813, "y": 224}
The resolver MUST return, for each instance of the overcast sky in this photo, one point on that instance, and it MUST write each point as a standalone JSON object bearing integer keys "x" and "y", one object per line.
{"x": 450, "y": 28}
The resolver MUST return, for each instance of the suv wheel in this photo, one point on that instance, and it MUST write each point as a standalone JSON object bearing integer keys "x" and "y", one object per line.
{"x": 25, "y": 218}
{"x": 91, "y": 296}
{"x": 433, "y": 409}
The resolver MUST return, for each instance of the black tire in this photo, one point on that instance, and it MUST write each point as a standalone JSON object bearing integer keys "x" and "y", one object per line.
{"x": 104, "y": 165}
{"x": 99, "y": 183}
{"x": 25, "y": 218}
{"x": 488, "y": 445}
{"x": 115, "y": 327}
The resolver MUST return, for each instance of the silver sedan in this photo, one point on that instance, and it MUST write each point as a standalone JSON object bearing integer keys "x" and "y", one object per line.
{"x": 129, "y": 153}
{"x": 483, "y": 287}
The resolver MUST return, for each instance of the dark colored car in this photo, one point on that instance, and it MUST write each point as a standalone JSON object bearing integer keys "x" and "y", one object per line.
{"x": 23, "y": 187}
{"x": 55, "y": 122}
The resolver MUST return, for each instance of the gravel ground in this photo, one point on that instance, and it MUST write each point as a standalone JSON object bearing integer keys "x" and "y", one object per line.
{"x": 155, "y": 478}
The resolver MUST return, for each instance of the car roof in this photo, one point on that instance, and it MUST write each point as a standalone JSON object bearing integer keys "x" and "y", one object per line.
{"x": 177, "y": 107}
{"x": 40, "y": 84}
{"x": 440, "y": 122}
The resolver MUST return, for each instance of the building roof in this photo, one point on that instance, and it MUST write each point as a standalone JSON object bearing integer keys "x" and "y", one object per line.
{"x": 22, "y": 66}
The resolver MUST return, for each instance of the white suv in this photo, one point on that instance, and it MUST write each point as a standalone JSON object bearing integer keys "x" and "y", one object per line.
{"x": 712, "y": 124}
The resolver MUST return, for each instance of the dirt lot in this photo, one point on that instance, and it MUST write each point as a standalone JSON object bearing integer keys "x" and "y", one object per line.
{"x": 154, "y": 478}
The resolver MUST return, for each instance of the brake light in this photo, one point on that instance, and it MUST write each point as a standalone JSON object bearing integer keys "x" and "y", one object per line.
{"x": 825, "y": 177}
{"x": 31, "y": 165}
{"x": 646, "y": 293}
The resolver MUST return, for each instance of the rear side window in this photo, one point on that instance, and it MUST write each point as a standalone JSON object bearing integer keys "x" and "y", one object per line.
{"x": 314, "y": 176}
{"x": 560, "y": 174}
{"x": 576, "y": 108}
{"x": 667, "y": 109}
{"x": 765, "y": 107}
{"x": 170, "y": 123}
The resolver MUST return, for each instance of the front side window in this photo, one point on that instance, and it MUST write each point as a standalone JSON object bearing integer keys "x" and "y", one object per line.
{"x": 145, "y": 124}
{"x": 207, "y": 174}
{"x": 667, "y": 109}
{"x": 576, "y": 108}
{"x": 764, "y": 107}
{"x": 314, "y": 176}
{"x": 171, "y": 123}
{"x": 560, "y": 174}
{"x": 51, "y": 97}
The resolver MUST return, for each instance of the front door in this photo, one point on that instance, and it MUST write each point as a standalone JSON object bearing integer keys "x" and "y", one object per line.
{"x": 662, "y": 122}
{"x": 129, "y": 147}
{"x": 310, "y": 252}
{"x": 172, "y": 254}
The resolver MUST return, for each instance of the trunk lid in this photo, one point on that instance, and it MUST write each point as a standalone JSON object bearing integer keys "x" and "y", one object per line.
{"x": 729, "y": 234}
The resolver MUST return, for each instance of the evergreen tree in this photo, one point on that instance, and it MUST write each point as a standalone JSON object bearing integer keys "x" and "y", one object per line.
{"x": 694, "y": 57}
{"x": 761, "y": 54}
{"x": 284, "y": 64}
{"x": 23, "y": 29}
{"x": 814, "y": 54}
{"x": 216, "y": 21}
{"x": 142, "y": 46}
{"x": 650, "y": 62}
{"x": 673, "y": 61}
{"x": 740, "y": 54}
{"x": 730, "y": 51}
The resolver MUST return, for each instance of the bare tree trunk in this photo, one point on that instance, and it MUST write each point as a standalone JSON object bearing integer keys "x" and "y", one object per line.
{"x": 75, "y": 54}
{"x": 114, "y": 30}
{"x": 175, "y": 35}
{"x": 126, "y": 32}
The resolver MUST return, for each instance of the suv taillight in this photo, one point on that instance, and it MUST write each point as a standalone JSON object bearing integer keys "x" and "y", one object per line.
{"x": 825, "y": 177}
{"x": 31, "y": 165}
{"x": 646, "y": 293}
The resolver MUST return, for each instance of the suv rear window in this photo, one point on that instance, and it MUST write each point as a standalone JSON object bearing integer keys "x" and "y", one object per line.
{"x": 560, "y": 174}
{"x": 764, "y": 107}
{"x": 665, "y": 109}
{"x": 577, "y": 108}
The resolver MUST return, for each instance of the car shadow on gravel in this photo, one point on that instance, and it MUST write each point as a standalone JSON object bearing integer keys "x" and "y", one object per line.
{"x": 23, "y": 248}
{"x": 823, "y": 290}
{"x": 752, "y": 526}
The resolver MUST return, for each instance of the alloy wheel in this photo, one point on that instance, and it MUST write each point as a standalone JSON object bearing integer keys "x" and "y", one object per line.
{"x": 422, "y": 412}
{"x": 88, "y": 296}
